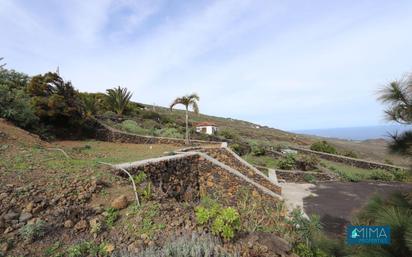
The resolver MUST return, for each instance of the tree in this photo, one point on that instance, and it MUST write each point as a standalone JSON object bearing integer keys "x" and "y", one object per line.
{"x": 2, "y": 65}
{"x": 398, "y": 95}
{"x": 56, "y": 103}
{"x": 396, "y": 212}
{"x": 187, "y": 101}
{"x": 118, "y": 98}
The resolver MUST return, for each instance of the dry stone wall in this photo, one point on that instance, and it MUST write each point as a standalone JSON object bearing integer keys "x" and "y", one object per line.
{"x": 224, "y": 156}
{"x": 107, "y": 133}
{"x": 189, "y": 175}
{"x": 301, "y": 176}
{"x": 347, "y": 160}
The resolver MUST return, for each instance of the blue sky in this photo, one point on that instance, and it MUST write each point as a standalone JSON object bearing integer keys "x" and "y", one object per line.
{"x": 287, "y": 64}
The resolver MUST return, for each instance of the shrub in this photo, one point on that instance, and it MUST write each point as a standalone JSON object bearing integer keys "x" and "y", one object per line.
{"x": 387, "y": 161}
{"x": 187, "y": 246}
{"x": 132, "y": 127}
{"x": 151, "y": 115}
{"x": 56, "y": 103}
{"x": 307, "y": 162}
{"x": 15, "y": 106}
{"x": 111, "y": 216}
{"x": 171, "y": 132}
{"x": 382, "y": 175}
{"x": 87, "y": 249}
{"x": 109, "y": 115}
{"x": 240, "y": 148}
{"x": 258, "y": 149}
{"x": 309, "y": 178}
{"x": 228, "y": 134}
{"x": 400, "y": 175}
{"x": 32, "y": 232}
{"x": 350, "y": 154}
{"x": 287, "y": 162}
{"x": 224, "y": 222}
{"x": 323, "y": 146}
{"x": 150, "y": 124}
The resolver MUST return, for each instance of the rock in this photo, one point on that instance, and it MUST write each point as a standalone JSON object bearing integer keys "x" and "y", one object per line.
{"x": 81, "y": 225}
{"x": 120, "y": 202}
{"x": 109, "y": 248}
{"x": 8, "y": 230}
{"x": 4, "y": 247}
{"x": 10, "y": 216}
{"x": 29, "y": 207}
{"x": 2, "y": 223}
{"x": 68, "y": 224}
{"x": 3, "y": 196}
{"x": 24, "y": 216}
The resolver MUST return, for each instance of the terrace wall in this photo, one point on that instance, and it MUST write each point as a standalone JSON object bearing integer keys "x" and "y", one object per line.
{"x": 347, "y": 160}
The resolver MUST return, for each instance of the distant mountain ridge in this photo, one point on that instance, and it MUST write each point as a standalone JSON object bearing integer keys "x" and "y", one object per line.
{"x": 357, "y": 133}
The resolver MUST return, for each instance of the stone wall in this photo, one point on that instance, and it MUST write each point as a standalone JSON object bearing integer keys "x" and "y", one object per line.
{"x": 347, "y": 160}
{"x": 107, "y": 133}
{"x": 299, "y": 176}
{"x": 225, "y": 156}
{"x": 188, "y": 175}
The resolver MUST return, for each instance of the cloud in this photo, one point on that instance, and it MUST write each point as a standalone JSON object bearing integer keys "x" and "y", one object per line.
{"x": 292, "y": 65}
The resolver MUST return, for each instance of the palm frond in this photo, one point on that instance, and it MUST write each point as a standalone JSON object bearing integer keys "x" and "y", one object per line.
{"x": 396, "y": 92}
{"x": 401, "y": 143}
{"x": 195, "y": 107}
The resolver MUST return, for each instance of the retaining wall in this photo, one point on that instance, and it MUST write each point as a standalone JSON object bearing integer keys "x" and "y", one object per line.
{"x": 189, "y": 175}
{"x": 107, "y": 133}
{"x": 347, "y": 160}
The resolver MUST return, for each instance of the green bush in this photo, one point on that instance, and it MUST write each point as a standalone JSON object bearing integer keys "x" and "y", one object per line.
{"x": 307, "y": 162}
{"x": 15, "y": 106}
{"x": 228, "y": 134}
{"x": 171, "y": 132}
{"x": 111, "y": 216}
{"x": 309, "y": 178}
{"x": 400, "y": 175}
{"x": 32, "y": 232}
{"x": 350, "y": 154}
{"x": 87, "y": 249}
{"x": 224, "y": 222}
{"x": 132, "y": 127}
{"x": 287, "y": 162}
{"x": 382, "y": 175}
{"x": 323, "y": 146}
{"x": 109, "y": 115}
{"x": 258, "y": 149}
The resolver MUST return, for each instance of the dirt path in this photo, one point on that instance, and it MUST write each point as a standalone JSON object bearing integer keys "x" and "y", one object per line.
{"x": 337, "y": 202}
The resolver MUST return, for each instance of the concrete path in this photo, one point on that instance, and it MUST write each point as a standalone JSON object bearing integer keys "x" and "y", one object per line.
{"x": 294, "y": 193}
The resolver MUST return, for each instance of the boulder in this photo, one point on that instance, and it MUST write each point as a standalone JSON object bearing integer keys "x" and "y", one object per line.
{"x": 120, "y": 202}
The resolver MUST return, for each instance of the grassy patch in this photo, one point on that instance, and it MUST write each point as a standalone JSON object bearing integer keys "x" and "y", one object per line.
{"x": 354, "y": 174}
{"x": 265, "y": 161}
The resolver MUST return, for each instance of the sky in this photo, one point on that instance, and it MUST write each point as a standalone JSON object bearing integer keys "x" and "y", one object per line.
{"x": 291, "y": 65}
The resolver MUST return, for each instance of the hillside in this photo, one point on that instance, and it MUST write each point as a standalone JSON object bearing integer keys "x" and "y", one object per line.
{"x": 373, "y": 150}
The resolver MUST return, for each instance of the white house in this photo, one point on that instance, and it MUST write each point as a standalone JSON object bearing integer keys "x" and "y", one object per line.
{"x": 206, "y": 127}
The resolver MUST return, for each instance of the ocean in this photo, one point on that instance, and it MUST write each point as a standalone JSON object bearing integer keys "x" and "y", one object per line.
{"x": 357, "y": 133}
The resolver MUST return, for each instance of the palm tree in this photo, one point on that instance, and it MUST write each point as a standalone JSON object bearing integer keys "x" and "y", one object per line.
{"x": 118, "y": 98}
{"x": 187, "y": 101}
{"x": 398, "y": 95}
{"x": 2, "y": 65}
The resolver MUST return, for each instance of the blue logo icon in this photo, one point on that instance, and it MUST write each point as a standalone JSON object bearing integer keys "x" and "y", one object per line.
{"x": 368, "y": 235}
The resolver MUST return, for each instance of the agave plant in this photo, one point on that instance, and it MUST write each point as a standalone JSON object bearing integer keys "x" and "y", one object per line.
{"x": 187, "y": 101}
{"x": 118, "y": 98}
